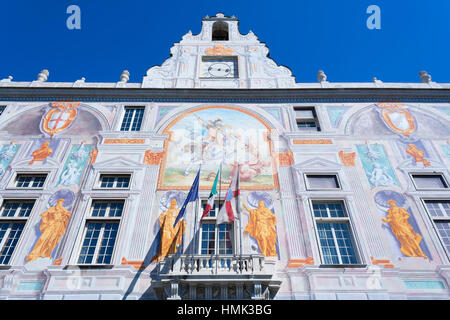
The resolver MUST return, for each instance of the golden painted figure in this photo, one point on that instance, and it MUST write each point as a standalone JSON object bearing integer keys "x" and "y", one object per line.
{"x": 53, "y": 226}
{"x": 261, "y": 226}
{"x": 93, "y": 155}
{"x": 169, "y": 233}
{"x": 398, "y": 217}
{"x": 42, "y": 153}
{"x": 417, "y": 154}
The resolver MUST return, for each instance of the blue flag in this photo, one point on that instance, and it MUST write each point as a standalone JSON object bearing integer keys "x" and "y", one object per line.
{"x": 192, "y": 196}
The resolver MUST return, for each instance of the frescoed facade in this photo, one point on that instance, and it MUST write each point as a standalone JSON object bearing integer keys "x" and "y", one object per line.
{"x": 344, "y": 187}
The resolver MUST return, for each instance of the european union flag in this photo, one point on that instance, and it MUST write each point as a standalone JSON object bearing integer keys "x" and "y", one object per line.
{"x": 192, "y": 196}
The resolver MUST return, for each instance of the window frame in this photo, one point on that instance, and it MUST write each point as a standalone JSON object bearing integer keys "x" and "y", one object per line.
{"x": 315, "y": 119}
{"x": 116, "y": 175}
{"x": 133, "y": 118}
{"x": 211, "y": 220}
{"x": 15, "y": 220}
{"x": 89, "y": 219}
{"x": 310, "y": 188}
{"x": 423, "y": 200}
{"x": 348, "y": 219}
{"x": 13, "y": 183}
{"x": 439, "y": 174}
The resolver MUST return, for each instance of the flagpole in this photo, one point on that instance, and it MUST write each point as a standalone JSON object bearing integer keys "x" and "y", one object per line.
{"x": 196, "y": 212}
{"x": 239, "y": 213}
{"x": 220, "y": 180}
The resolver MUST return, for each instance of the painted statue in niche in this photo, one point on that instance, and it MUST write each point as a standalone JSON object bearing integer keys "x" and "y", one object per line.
{"x": 397, "y": 217}
{"x": 376, "y": 165}
{"x": 75, "y": 163}
{"x": 404, "y": 234}
{"x": 170, "y": 236}
{"x": 397, "y": 118}
{"x": 59, "y": 118}
{"x": 261, "y": 228}
{"x": 213, "y": 135}
{"x": 53, "y": 225}
{"x": 42, "y": 150}
{"x": 6, "y": 155}
{"x": 164, "y": 204}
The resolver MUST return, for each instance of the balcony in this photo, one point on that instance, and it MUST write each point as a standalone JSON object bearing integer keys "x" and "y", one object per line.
{"x": 216, "y": 277}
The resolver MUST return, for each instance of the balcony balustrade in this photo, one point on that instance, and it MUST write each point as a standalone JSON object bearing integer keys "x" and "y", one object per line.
{"x": 188, "y": 276}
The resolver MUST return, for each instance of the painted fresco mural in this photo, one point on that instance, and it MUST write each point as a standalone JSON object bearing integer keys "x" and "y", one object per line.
{"x": 335, "y": 114}
{"x": 260, "y": 232}
{"x": 7, "y": 153}
{"x": 443, "y": 109}
{"x": 446, "y": 150}
{"x": 415, "y": 152}
{"x": 43, "y": 149}
{"x": 59, "y": 117}
{"x": 214, "y": 135}
{"x": 162, "y": 111}
{"x": 276, "y": 112}
{"x": 169, "y": 207}
{"x": 376, "y": 165}
{"x": 75, "y": 164}
{"x": 396, "y": 216}
{"x": 51, "y": 227}
{"x": 397, "y": 118}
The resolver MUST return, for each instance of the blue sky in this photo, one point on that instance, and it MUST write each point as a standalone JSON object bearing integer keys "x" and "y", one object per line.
{"x": 305, "y": 36}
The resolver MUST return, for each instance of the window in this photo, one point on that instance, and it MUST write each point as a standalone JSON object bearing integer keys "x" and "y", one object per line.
{"x": 319, "y": 181}
{"x": 114, "y": 181}
{"x": 429, "y": 181}
{"x": 439, "y": 210}
{"x": 132, "y": 120}
{"x": 306, "y": 119}
{"x": 334, "y": 233}
{"x": 100, "y": 232}
{"x": 215, "y": 238}
{"x": 30, "y": 180}
{"x": 13, "y": 216}
{"x": 220, "y": 31}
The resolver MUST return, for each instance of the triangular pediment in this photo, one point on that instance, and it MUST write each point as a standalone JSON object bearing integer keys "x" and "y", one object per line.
{"x": 118, "y": 162}
{"x": 317, "y": 163}
{"x": 49, "y": 163}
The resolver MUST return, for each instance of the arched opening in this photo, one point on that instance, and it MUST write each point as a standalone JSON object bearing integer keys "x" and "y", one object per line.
{"x": 220, "y": 31}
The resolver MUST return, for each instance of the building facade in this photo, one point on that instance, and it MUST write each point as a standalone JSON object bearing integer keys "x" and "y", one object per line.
{"x": 344, "y": 187}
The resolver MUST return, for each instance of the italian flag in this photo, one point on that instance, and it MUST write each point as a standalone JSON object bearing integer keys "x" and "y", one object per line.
{"x": 211, "y": 197}
{"x": 232, "y": 202}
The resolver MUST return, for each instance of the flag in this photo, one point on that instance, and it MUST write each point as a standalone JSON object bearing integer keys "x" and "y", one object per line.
{"x": 212, "y": 196}
{"x": 192, "y": 196}
{"x": 230, "y": 207}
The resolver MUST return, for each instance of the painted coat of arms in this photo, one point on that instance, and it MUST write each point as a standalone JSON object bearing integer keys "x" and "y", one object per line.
{"x": 398, "y": 118}
{"x": 59, "y": 117}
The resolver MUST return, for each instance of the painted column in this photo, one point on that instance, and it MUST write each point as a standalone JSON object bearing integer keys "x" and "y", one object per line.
{"x": 291, "y": 213}
{"x": 360, "y": 205}
{"x": 140, "y": 241}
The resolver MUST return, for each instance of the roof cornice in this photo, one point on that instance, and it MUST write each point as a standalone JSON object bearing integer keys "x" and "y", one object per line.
{"x": 295, "y": 95}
